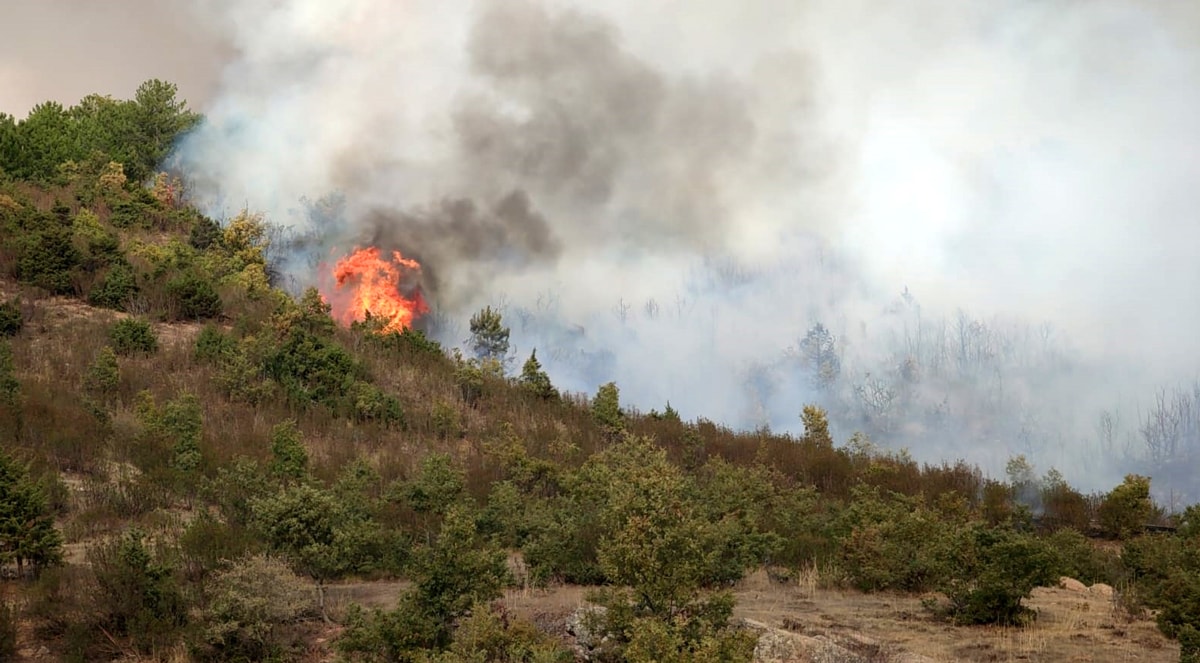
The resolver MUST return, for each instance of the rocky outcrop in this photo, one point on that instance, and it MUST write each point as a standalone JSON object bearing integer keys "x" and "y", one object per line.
{"x": 1072, "y": 585}
{"x": 586, "y": 642}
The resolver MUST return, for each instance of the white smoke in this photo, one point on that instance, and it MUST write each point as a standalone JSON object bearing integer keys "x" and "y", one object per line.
{"x": 718, "y": 176}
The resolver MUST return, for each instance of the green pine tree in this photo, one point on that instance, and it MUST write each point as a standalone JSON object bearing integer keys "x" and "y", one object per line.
{"x": 489, "y": 336}
{"x": 27, "y": 534}
{"x": 535, "y": 380}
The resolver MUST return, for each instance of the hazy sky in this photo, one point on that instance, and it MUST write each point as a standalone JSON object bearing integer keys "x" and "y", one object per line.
{"x": 64, "y": 49}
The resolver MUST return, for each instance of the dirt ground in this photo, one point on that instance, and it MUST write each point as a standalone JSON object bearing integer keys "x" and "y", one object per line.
{"x": 1071, "y": 627}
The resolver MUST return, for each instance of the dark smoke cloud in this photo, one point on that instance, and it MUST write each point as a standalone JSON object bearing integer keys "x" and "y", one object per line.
{"x": 510, "y": 235}
{"x": 701, "y": 184}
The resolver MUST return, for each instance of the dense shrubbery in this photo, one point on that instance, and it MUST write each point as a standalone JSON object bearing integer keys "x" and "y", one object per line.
{"x": 11, "y": 319}
{"x": 132, "y": 336}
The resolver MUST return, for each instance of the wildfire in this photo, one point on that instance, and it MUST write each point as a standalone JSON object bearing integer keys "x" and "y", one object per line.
{"x": 373, "y": 286}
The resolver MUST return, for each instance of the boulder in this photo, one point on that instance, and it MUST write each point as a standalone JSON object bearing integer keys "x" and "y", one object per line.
{"x": 779, "y": 646}
{"x": 586, "y": 642}
{"x": 1101, "y": 589}
{"x": 1072, "y": 585}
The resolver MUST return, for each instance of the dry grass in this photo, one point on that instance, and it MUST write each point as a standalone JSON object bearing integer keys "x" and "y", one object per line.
{"x": 1071, "y": 626}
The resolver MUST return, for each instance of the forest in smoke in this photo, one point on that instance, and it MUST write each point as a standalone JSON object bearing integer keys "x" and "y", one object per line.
{"x": 520, "y": 330}
{"x": 961, "y": 228}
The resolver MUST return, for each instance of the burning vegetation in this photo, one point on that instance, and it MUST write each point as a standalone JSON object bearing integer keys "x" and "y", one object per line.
{"x": 366, "y": 282}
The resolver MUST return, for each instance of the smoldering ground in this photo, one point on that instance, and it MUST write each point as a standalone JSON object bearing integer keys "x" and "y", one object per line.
{"x": 702, "y": 185}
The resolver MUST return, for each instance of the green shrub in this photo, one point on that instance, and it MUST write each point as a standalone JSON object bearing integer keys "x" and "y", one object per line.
{"x": 368, "y": 403}
{"x": 103, "y": 375}
{"x": 446, "y": 422}
{"x": 131, "y": 335}
{"x": 992, "y": 571}
{"x": 116, "y": 288}
{"x": 9, "y": 617}
{"x": 488, "y": 634}
{"x": 212, "y": 345}
{"x": 320, "y": 533}
{"x": 1080, "y": 559}
{"x": 893, "y": 541}
{"x": 312, "y": 369}
{"x": 27, "y": 532}
{"x": 1126, "y": 509}
{"x": 138, "y": 211}
{"x": 138, "y": 591}
{"x": 458, "y": 570}
{"x": 11, "y": 319}
{"x": 249, "y": 607}
{"x": 606, "y": 408}
{"x": 701, "y": 632}
{"x": 204, "y": 234}
{"x": 208, "y": 544}
{"x": 48, "y": 258}
{"x": 289, "y": 460}
{"x": 194, "y": 298}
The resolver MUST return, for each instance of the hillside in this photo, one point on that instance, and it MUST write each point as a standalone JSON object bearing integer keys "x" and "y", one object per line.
{"x": 200, "y": 465}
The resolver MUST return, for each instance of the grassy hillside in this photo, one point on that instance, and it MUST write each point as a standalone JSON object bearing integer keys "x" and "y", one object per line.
{"x": 188, "y": 450}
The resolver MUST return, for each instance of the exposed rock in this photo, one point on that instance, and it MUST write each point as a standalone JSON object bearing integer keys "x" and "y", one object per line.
{"x": 1072, "y": 585}
{"x": 780, "y": 646}
{"x": 586, "y": 642}
{"x": 1101, "y": 589}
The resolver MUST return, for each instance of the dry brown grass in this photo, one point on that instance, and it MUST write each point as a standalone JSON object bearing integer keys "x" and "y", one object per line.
{"x": 1071, "y": 627}
{"x": 1075, "y": 627}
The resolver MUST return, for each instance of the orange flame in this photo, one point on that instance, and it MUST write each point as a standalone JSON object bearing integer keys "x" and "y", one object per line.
{"x": 374, "y": 284}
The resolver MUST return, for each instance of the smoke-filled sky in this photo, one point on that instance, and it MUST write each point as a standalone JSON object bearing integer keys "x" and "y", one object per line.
{"x": 670, "y": 194}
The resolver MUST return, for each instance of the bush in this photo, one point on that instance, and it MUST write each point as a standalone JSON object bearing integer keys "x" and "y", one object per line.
{"x": 489, "y": 634}
{"x": 368, "y": 403}
{"x": 116, "y": 288}
{"x": 103, "y": 375}
{"x": 248, "y": 608}
{"x": 893, "y": 542}
{"x": 11, "y": 319}
{"x": 204, "y": 234}
{"x": 312, "y": 369}
{"x": 992, "y": 571}
{"x": 460, "y": 569}
{"x": 1127, "y": 508}
{"x": 137, "y": 591}
{"x": 131, "y": 335}
{"x": 213, "y": 346}
{"x": 27, "y": 532}
{"x": 8, "y": 631}
{"x": 48, "y": 258}
{"x": 194, "y": 297}
{"x": 1080, "y": 559}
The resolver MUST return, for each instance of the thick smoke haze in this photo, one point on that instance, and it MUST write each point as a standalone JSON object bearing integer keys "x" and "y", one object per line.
{"x": 990, "y": 208}
{"x": 63, "y": 50}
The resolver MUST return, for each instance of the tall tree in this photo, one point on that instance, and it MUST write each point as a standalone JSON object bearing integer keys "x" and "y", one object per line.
{"x": 46, "y": 138}
{"x": 819, "y": 358}
{"x": 535, "y": 380}
{"x": 157, "y": 118}
{"x": 489, "y": 336}
{"x": 27, "y": 533}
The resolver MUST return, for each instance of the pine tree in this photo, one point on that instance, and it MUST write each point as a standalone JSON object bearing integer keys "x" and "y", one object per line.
{"x": 289, "y": 459}
{"x": 818, "y": 356}
{"x": 606, "y": 409}
{"x": 535, "y": 380}
{"x": 27, "y": 531}
{"x": 10, "y": 389}
{"x": 489, "y": 336}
